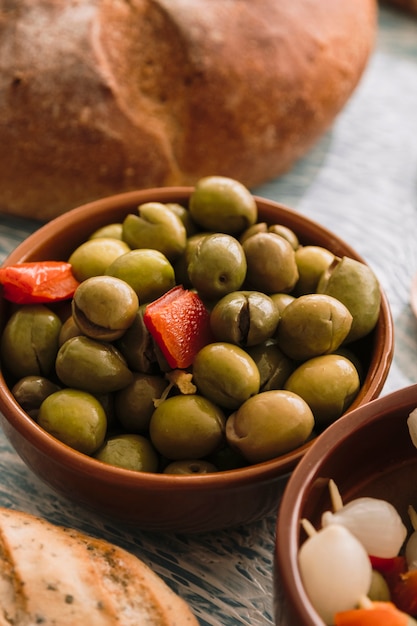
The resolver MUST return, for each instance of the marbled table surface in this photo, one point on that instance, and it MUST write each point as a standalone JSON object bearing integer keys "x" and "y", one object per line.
{"x": 361, "y": 182}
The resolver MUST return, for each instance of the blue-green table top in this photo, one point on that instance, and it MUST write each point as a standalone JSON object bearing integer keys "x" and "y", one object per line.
{"x": 361, "y": 182}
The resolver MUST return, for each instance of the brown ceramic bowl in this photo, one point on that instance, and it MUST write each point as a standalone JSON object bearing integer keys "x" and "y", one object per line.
{"x": 368, "y": 454}
{"x": 156, "y": 501}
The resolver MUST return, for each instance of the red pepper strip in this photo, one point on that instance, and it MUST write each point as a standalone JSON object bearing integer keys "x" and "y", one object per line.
{"x": 390, "y": 568}
{"x": 377, "y": 614}
{"x": 180, "y": 325}
{"x": 38, "y": 281}
{"x": 404, "y": 592}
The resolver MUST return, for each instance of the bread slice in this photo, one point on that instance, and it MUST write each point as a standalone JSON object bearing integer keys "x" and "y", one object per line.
{"x": 58, "y": 576}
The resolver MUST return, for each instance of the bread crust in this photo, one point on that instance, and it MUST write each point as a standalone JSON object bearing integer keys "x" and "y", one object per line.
{"x": 105, "y": 96}
{"x": 59, "y": 576}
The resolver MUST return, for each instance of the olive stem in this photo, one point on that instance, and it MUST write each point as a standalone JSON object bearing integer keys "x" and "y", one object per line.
{"x": 180, "y": 379}
{"x": 164, "y": 396}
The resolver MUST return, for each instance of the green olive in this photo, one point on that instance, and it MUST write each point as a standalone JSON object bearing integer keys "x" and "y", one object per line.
{"x": 187, "y": 427}
{"x": 286, "y": 233}
{"x": 311, "y": 261}
{"x": 29, "y": 342}
{"x": 157, "y": 227}
{"x": 223, "y": 205}
{"x": 356, "y": 285}
{"x": 270, "y": 424}
{"x": 90, "y": 365}
{"x": 147, "y": 271}
{"x": 93, "y": 257}
{"x": 226, "y": 374}
{"x": 31, "y": 391}
{"x": 104, "y": 307}
{"x": 68, "y": 330}
{"x": 246, "y": 318}
{"x": 182, "y": 263}
{"x": 329, "y": 384}
{"x": 189, "y": 467}
{"x": 107, "y": 402}
{"x": 185, "y": 217}
{"x": 259, "y": 227}
{"x": 74, "y": 417}
{"x": 274, "y": 366}
{"x": 311, "y": 325}
{"x": 379, "y": 590}
{"x": 355, "y": 358}
{"x": 281, "y": 300}
{"x": 271, "y": 265}
{"x": 217, "y": 266}
{"x": 278, "y": 229}
{"x": 134, "y": 404}
{"x": 109, "y": 231}
{"x": 227, "y": 458}
{"x": 137, "y": 346}
{"x": 132, "y": 452}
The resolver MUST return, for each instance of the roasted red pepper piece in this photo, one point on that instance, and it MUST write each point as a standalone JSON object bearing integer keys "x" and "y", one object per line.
{"x": 390, "y": 568}
{"x": 401, "y": 582}
{"x": 38, "y": 281}
{"x": 377, "y": 614}
{"x": 404, "y": 592}
{"x": 180, "y": 325}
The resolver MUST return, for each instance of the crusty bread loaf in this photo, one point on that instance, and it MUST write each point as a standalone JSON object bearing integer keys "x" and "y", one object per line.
{"x": 57, "y": 576}
{"x": 104, "y": 96}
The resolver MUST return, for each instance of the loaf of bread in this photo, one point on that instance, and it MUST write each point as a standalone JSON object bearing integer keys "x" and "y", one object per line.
{"x": 56, "y": 576}
{"x": 104, "y": 96}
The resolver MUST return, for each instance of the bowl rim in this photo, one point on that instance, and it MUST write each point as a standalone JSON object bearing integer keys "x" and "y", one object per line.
{"x": 301, "y": 480}
{"x": 259, "y": 472}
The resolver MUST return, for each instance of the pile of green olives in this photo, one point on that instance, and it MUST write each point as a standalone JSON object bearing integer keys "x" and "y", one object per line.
{"x": 280, "y": 365}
